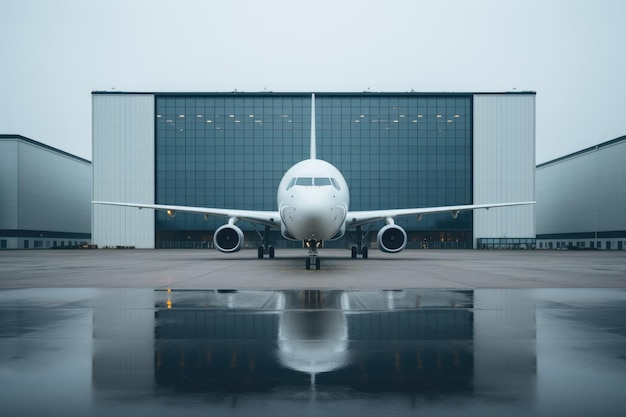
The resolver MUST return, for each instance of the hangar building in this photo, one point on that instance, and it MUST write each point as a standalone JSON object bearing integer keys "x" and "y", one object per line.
{"x": 45, "y": 196}
{"x": 581, "y": 199}
{"x": 396, "y": 150}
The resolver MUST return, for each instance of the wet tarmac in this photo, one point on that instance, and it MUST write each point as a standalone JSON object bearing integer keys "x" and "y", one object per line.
{"x": 210, "y": 269}
{"x": 433, "y": 352}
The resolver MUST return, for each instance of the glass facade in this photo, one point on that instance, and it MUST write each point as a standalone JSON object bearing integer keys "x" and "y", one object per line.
{"x": 395, "y": 151}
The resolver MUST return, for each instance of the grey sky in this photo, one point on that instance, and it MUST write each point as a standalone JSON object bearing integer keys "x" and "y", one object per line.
{"x": 54, "y": 53}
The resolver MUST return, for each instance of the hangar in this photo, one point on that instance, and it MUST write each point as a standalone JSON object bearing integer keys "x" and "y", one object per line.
{"x": 396, "y": 150}
{"x": 45, "y": 196}
{"x": 581, "y": 199}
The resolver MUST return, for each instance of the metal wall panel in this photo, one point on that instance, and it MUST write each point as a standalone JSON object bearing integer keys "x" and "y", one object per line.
{"x": 123, "y": 169}
{"x": 54, "y": 191}
{"x": 8, "y": 184}
{"x": 504, "y": 164}
{"x": 583, "y": 193}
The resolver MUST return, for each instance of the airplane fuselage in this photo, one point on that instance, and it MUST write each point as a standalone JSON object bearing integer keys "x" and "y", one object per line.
{"x": 313, "y": 200}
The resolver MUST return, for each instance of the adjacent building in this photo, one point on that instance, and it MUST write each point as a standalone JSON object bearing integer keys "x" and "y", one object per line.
{"x": 45, "y": 196}
{"x": 581, "y": 199}
{"x": 395, "y": 150}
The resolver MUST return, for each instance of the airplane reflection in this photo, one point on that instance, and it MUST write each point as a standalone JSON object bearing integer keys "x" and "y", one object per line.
{"x": 247, "y": 339}
{"x": 313, "y": 338}
{"x": 245, "y": 342}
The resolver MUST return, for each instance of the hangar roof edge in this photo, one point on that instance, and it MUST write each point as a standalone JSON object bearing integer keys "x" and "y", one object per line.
{"x": 287, "y": 93}
{"x": 584, "y": 151}
{"x": 42, "y": 145}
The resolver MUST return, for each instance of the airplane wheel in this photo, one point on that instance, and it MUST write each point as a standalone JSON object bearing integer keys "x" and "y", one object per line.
{"x": 364, "y": 252}
{"x": 260, "y": 252}
{"x": 317, "y": 263}
{"x": 271, "y": 251}
{"x": 353, "y": 252}
{"x": 308, "y": 263}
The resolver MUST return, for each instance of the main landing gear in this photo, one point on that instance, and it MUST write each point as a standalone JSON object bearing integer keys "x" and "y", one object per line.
{"x": 313, "y": 259}
{"x": 360, "y": 248}
{"x": 269, "y": 250}
{"x": 363, "y": 251}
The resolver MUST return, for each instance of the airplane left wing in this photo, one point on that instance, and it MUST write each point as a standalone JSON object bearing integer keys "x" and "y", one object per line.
{"x": 267, "y": 218}
{"x": 359, "y": 218}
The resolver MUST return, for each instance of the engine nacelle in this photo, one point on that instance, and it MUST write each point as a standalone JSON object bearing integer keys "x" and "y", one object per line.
{"x": 391, "y": 238}
{"x": 228, "y": 238}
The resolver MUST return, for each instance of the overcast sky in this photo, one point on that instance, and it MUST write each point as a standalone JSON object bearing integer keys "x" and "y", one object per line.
{"x": 572, "y": 53}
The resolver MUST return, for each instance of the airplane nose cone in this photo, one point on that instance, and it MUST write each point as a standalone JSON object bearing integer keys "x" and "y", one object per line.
{"x": 313, "y": 213}
{"x": 313, "y": 223}
{"x": 310, "y": 221}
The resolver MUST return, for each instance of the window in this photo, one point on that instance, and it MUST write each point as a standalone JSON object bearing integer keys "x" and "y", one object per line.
{"x": 317, "y": 181}
{"x": 321, "y": 182}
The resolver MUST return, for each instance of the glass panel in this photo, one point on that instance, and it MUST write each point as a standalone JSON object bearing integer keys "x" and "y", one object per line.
{"x": 393, "y": 150}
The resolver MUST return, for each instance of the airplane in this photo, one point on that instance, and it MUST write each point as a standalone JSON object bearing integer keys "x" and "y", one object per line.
{"x": 313, "y": 206}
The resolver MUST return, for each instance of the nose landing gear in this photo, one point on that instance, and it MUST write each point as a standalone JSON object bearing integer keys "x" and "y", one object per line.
{"x": 313, "y": 259}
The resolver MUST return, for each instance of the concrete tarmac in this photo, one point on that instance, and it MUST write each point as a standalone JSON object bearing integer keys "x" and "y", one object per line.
{"x": 473, "y": 333}
{"x": 211, "y": 269}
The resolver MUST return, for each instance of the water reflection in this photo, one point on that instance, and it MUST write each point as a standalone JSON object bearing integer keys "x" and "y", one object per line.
{"x": 313, "y": 331}
{"x": 158, "y": 353}
{"x": 288, "y": 343}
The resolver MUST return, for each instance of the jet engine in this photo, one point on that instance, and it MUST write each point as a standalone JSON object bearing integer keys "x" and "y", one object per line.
{"x": 391, "y": 238}
{"x": 228, "y": 238}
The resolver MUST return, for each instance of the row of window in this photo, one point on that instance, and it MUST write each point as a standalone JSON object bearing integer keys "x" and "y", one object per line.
{"x": 313, "y": 182}
{"x": 324, "y": 103}
{"x": 40, "y": 244}
{"x": 609, "y": 245}
{"x": 334, "y": 122}
{"x": 371, "y": 187}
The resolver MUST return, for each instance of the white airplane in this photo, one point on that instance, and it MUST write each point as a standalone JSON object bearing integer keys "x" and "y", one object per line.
{"x": 313, "y": 206}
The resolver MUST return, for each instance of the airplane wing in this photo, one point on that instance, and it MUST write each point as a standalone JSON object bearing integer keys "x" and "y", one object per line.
{"x": 267, "y": 218}
{"x": 359, "y": 218}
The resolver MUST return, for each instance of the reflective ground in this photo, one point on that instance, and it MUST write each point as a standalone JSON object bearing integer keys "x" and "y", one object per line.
{"x": 516, "y": 352}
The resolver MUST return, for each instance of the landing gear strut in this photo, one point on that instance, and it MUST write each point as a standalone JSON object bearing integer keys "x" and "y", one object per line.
{"x": 313, "y": 259}
{"x": 266, "y": 248}
{"x": 361, "y": 248}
